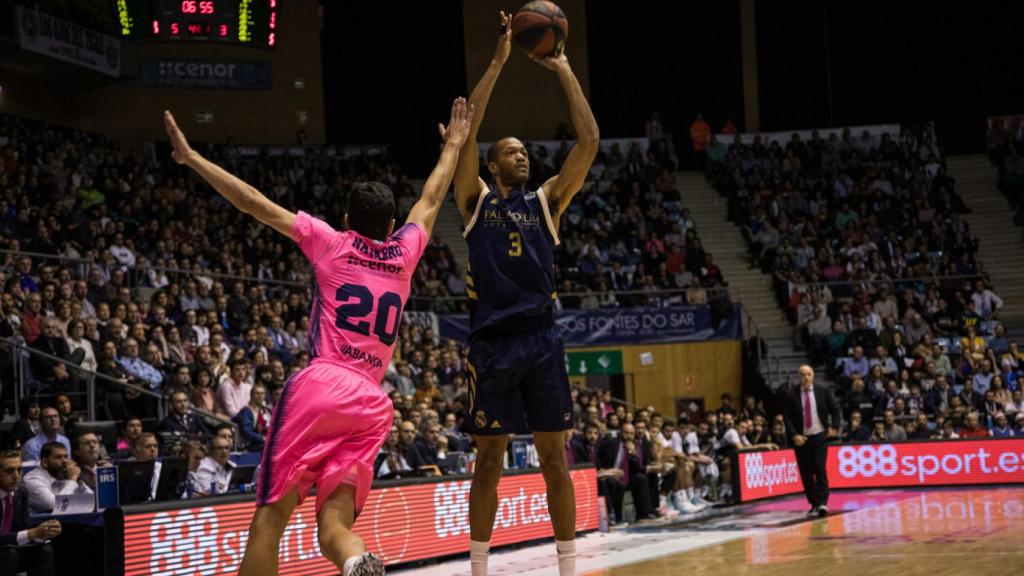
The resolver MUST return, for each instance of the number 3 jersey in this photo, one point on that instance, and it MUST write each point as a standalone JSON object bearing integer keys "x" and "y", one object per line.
{"x": 510, "y": 280}
{"x": 360, "y": 288}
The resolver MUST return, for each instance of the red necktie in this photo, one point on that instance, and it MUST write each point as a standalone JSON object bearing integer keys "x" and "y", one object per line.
{"x": 807, "y": 408}
{"x": 5, "y": 524}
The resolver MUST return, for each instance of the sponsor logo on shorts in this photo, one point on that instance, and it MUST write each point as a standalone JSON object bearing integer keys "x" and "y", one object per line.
{"x": 567, "y": 416}
{"x": 480, "y": 419}
{"x": 358, "y": 355}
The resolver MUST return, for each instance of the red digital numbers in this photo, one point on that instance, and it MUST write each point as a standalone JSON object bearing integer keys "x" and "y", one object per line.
{"x": 175, "y": 29}
{"x": 223, "y": 31}
{"x": 271, "y": 41}
{"x": 197, "y": 7}
{"x": 156, "y": 27}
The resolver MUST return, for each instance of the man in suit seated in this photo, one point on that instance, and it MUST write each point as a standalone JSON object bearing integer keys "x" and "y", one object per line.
{"x": 624, "y": 459}
{"x": 583, "y": 449}
{"x": 22, "y": 549}
{"x": 181, "y": 423}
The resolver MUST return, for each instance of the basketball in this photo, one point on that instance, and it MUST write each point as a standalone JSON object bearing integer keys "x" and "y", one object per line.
{"x": 540, "y": 28}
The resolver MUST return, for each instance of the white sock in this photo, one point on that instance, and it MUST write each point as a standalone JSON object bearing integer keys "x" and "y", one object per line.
{"x": 350, "y": 564}
{"x": 689, "y": 494}
{"x": 566, "y": 557}
{"x": 680, "y": 496}
{"x": 478, "y": 552}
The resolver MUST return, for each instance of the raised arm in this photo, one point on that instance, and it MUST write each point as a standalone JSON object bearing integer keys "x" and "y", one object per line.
{"x": 241, "y": 195}
{"x": 560, "y": 189}
{"x": 424, "y": 212}
{"x": 468, "y": 184}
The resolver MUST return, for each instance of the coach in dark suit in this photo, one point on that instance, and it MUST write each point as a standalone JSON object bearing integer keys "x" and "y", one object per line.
{"x": 22, "y": 549}
{"x": 180, "y": 422}
{"x": 623, "y": 458}
{"x": 812, "y": 420}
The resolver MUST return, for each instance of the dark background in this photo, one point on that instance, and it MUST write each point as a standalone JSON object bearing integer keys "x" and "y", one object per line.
{"x": 886, "y": 62}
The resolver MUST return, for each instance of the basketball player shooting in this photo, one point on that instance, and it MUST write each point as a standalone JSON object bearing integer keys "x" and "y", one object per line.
{"x": 333, "y": 417}
{"x": 516, "y": 366}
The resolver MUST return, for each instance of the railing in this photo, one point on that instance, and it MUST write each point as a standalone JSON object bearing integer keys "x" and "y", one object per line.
{"x": 935, "y": 278}
{"x": 21, "y": 353}
{"x": 661, "y": 297}
{"x": 132, "y": 279}
{"x": 768, "y": 361}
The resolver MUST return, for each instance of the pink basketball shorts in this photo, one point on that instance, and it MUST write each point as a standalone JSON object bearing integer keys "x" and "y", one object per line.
{"x": 326, "y": 431}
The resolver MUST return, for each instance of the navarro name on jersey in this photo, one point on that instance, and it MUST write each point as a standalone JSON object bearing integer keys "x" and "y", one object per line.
{"x": 389, "y": 252}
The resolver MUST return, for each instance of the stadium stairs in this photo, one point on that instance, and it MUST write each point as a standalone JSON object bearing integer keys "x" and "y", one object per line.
{"x": 1001, "y": 247}
{"x": 747, "y": 286}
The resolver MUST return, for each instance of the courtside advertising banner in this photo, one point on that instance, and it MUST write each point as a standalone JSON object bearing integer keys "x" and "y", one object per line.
{"x": 400, "y": 523}
{"x": 913, "y": 464}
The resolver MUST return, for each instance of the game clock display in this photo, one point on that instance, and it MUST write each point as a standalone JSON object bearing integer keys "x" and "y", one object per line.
{"x": 251, "y": 22}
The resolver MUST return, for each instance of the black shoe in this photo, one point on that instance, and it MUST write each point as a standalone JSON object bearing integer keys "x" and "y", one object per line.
{"x": 822, "y": 511}
{"x": 814, "y": 512}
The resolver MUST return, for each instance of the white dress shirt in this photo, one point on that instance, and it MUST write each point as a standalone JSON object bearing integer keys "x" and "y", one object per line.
{"x": 43, "y": 489}
{"x": 210, "y": 471}
{"x": 816, "y": 425}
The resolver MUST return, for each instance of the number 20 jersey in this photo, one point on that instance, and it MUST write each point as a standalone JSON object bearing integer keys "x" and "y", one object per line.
{"x": 360, "y": 288}
{"x": 510, "y": 280}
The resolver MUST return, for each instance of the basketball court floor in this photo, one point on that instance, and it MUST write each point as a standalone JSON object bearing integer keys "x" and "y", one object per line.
{"x": 937, "y": 532}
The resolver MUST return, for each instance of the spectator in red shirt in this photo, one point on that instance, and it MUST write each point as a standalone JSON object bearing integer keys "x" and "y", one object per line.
{"x": 971, "y": 428}
{"x": 32, "y": 317}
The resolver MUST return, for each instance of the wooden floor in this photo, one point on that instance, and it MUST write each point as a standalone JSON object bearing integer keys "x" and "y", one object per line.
{"x": 962, "y": 532}
{"x": 938, "y": 532}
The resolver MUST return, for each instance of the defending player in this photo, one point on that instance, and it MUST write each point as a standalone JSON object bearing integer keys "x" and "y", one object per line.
{"x": 333, "y": 417}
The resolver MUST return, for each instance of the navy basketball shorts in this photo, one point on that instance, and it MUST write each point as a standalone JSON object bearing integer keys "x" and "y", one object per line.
{"x": 518, "y": 384}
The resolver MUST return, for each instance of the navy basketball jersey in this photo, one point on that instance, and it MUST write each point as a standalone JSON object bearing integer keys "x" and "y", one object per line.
{"x": 510, "y": 279}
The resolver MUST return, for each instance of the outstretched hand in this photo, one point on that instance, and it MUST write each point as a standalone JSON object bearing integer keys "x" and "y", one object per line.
{"x": 457, "y": 130}
{"x": 182, "y": 152}
{"x": 504, "y": 47}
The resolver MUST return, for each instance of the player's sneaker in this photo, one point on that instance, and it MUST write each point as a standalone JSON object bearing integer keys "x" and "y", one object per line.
{"x": 683, "y": 504}
{"x": 368, "y": 565}
{"x": 666, "y": 511}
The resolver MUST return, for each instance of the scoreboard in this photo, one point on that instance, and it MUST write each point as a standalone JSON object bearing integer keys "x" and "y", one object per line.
{"x": 249, "y": 22}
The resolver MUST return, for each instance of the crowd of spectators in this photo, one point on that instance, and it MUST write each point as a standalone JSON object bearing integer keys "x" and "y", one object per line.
{"x": 876, "y": 267}
{"x": 215, "y": 351}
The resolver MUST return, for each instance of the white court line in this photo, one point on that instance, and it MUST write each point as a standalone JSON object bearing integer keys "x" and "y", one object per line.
{"x": 594, "y": 551}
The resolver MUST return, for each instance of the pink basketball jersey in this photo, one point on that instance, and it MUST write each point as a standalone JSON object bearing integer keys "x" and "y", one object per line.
{"x": 360, "y": 288}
